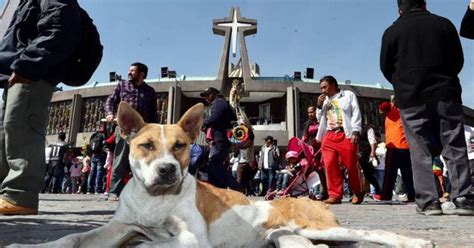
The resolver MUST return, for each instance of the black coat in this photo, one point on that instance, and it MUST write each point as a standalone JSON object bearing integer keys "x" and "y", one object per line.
{"x": 40, "y": 39}
{"x": 467, "y": 24}
{"x": 421, "y": 56}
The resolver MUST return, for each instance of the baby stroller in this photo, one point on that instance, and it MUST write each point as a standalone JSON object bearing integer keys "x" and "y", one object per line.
{"x": 306, "y": 178}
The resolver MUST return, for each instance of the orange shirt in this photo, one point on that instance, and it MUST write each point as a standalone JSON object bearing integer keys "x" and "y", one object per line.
{"x": 394, "y": 133}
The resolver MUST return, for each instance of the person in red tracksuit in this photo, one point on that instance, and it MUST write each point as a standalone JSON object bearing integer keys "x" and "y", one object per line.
{"x": 339, "y": 131}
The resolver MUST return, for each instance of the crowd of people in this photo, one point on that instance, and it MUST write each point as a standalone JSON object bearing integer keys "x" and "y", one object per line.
{"x": 421, "y": 56}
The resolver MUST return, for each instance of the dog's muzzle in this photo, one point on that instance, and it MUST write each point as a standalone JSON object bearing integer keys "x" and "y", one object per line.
{"x": 166, "y": 174}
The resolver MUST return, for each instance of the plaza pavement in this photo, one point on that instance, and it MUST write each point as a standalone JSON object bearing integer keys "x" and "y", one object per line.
{"x": 60, "y": 215}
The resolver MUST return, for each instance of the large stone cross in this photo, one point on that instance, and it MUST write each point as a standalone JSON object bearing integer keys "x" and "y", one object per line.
{"x": 234, "y": 25}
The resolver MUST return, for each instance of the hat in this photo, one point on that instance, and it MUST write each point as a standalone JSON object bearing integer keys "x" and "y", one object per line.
{"x": 291, "y": 154}
{"x": 269, "y": 137}
{"x": 209, "y": 91}
{"x": 385, "y": 107}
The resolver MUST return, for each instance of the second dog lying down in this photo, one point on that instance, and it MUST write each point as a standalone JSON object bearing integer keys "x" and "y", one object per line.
{"x": 163, "y": 206}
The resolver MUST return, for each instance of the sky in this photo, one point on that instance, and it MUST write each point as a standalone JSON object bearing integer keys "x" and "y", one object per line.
{"x": 335, "y": 37}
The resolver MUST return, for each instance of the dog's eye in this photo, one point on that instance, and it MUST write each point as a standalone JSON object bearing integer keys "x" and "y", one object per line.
{"x": 148, "y": 146}
{"x": 178, "y": 146}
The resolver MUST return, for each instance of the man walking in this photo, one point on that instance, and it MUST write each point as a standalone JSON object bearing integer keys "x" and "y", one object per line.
{"x": 397, "y": 155}
{"x": 41, "y": 38}
{"x": 57, "y": 162}
{"x": 142, "y": 98}
{"x": 268, "y": 163}
{"x": 339, "y": 130}
{"x": 218, "y": 121}
{"x": 421, "y": 56}
{"x": 96, "y": 174}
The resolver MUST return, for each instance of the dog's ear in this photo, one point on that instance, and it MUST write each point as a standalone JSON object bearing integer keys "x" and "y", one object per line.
{"x": 129, "y": 120}
{"x": 191, "y": 121}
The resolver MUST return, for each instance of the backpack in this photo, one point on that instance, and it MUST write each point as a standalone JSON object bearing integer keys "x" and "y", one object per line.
{"x": 97, "y": 142}
{"x": 88, "y": 53}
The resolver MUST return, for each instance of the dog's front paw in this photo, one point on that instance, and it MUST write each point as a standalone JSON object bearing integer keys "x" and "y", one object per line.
{"x": 178, "y": 228}
{"x": 175, "y": 225}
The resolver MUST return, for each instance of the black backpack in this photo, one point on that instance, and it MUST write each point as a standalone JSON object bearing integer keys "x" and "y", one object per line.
{"x": 97, "y": 142}
{"x": 88, "y": 54}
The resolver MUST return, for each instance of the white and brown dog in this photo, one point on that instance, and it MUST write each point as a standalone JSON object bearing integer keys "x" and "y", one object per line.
{"x": 163, "y": 206}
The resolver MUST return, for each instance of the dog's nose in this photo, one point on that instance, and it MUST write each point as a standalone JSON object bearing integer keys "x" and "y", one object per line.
{"x": 166, "y": 169}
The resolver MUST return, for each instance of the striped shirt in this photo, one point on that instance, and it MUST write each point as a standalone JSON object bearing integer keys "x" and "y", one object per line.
{"x": 141, "y": 98}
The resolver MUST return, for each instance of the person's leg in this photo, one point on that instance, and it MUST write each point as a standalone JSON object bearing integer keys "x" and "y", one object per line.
{"x": 74, "y": 185}
{"x": 99, "y": 180}
{"x": 217, "y": 171}
{"x": 451, "y": 129}
{"x": 240, "y": 176}
{"x": 369, "y": 171}
{"x": 379, "y": 174}
{"x": 348, "y": 155}
{"x": 333, "y": 170}
{"x": 279, "y": 181}
{"x": 92, "y": 174}
{"x": 417, "y": 123}
{"x": 403, "y": 158}
{"x": 390, "y": 174}
{"x": 120, "y": 164}
{"x": 264, "y": 174}
{"x": 4, "y": 167}
{"x": 24, "y": 123}
{"x": 471, "y": 166}
{"x": 48, "y": 178}
{"x": 286, "y": 178}
{"x": 271, "y": 177}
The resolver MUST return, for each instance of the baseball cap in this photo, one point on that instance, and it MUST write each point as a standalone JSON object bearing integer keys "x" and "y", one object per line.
{"x": 209, "y": 91}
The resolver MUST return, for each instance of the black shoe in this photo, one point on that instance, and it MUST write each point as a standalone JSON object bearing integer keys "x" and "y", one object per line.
{"x": 432, "y": 208}
{"x": 464, "y": 205}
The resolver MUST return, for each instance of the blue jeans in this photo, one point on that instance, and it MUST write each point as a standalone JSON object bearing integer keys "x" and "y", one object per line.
{"x": 267, "y": 176}
{"x": 282, "y": 181}
{"x": 96, "y": 176}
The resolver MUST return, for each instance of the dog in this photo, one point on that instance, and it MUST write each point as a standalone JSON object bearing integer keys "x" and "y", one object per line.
{"x": 163, "y": 206}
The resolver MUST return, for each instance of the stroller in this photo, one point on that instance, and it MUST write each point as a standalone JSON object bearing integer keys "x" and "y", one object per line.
{"x": 306, "y": 178}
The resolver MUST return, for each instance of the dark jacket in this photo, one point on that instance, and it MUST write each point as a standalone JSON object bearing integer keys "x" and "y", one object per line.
{"x": 220, "y": 118}
{"x": 421, "y": 56}
{"x": 467, "y": 24}
{"x": 40, "y": 39}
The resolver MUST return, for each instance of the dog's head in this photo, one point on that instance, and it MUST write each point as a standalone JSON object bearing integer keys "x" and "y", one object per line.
{"x": 159, "y": 154}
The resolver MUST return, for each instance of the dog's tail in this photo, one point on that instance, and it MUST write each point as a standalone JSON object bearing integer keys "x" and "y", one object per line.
{"x": 374, "y": 236}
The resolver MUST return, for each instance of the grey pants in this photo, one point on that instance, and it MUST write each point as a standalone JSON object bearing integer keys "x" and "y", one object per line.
{"x": 120, "y": 165}
{"x": 426, "y": 125}
{"x": 22, "y": 140}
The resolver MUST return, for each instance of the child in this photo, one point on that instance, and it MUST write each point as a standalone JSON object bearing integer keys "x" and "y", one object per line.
{"x": 295, "y": 162}
{"x": 379, "y": 171}
{"x": 76, "y": 169}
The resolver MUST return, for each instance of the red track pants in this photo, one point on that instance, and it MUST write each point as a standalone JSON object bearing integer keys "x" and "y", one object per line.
{"x": 337, "y": 148}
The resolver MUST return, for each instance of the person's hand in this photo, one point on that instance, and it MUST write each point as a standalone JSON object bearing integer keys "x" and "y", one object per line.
{"x": 321, "y": 99}
{"x": 355, "y": 138}
{"x": 15, "y": 78}
{"x": 109, "y": 118}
